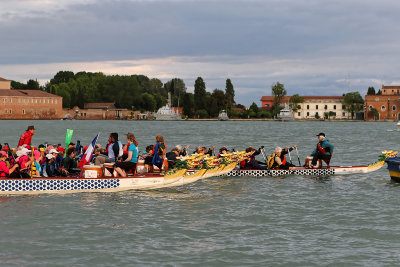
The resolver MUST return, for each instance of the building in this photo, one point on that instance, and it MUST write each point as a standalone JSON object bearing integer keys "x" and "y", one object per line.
{"x": 28, "y": 104}
{"x": 98, "y": 111}
{"x": 313, "y": 106}
{"x": 387, "y": 104}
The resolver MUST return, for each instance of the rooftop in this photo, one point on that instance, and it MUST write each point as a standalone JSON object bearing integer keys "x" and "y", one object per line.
{"x": 26, "y": 93}
{"x": 287, "y": 98}
{"x": 3, "y": 80}
{"x": 99, "y": 105}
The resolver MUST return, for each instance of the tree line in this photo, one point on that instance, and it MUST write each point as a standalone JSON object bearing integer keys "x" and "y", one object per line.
{"x": 137, "y": 92}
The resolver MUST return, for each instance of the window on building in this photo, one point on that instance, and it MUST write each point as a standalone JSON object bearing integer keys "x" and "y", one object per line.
{"x": 35, "y": 101}
{"x": 316, "y": 107}
{"x": 384, "y": 91}
{"x": 326, "y": 107}
{"x": 308, "y": 114}
{"x": 266, "y": 105}
{"x": 52, "y": 101}
{"x": 392, "y": 91}
{"x": 10, "y": 100}
{"x": 6, "y": 111}
{"x": 32, "y": 100}
{"x": 10, "y": 111}
{"x": 343, "y": 114}
{"x": 334, "y": 106}
{"x": 298, "y": 113}
{"x": 19, "y": 100}
{"x": 383, "y": 108}
{"x": 308, "y": 107}
{"x": 48, "y": 101}
{"x": 23, "y": 111}
{"x": 55, "y": 101}
{"x": 343, "y": 107}
{"x": 394, "y": 107}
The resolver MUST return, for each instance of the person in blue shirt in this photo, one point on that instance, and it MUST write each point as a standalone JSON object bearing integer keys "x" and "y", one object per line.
{"x": 133, "y": 152}
{"x": 323, "y": 150}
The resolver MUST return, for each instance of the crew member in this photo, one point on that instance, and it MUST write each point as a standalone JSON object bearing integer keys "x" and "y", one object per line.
{"x": 131, "y": 160}
{"x": 251, "y": 162}
{"x": 26, "y": 138}
{"x": 4, "y": 170}
{"x": 159, "y": 152}
{"x": 323, "y": 150}
{"x": 278, "y": 161}
{"x": 115, "y": 150}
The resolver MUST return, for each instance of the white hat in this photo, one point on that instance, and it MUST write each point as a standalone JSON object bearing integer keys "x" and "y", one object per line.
{"x": 49, "y": 156}
{"x": 53, "y": 151}
{"x": 22, "y": 152}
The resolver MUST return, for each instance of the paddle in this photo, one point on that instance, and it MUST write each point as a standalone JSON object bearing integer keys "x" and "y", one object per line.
{"x": 290, "y": 157}
{"x": 263, "y": 154}
{"x": 298, "y": 156}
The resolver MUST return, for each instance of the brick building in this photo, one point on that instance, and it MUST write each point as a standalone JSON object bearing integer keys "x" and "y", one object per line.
{"x": 28, "y": 104}
{"x": 98, "y": 111}
{"x": 312, "y": 106}
{"x": 387, "y": 104}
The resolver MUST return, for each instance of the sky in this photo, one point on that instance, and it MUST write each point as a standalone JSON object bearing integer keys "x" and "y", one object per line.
{"x": 313, "y": 47}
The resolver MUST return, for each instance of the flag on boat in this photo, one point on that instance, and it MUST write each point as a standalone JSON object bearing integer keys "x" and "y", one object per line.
{"x": 86, "y": 157}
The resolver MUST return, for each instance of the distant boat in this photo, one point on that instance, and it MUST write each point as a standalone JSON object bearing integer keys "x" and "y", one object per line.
{"x": 167, "y": 113}
{"x": 398, "y": 126}
{"x": 223, "y": 116}
{"x": 286, "y": 115}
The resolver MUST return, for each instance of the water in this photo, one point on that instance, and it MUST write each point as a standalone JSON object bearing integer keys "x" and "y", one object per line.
{"x": 285, "y": 221}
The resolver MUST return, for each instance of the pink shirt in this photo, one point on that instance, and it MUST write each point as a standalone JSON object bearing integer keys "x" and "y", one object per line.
{"x": 22, "y": 161}
{"x": 4, "y": 170}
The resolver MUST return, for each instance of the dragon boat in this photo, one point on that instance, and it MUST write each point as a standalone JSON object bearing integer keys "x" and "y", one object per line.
{"x": 104, "y": 179}
{"x": 324, "y": 171}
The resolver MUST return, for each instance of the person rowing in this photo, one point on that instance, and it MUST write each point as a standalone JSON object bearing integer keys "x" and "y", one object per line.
{"x": 323, "y": 150}
{"x": 251, "y": 162}
{"x": 277, "y": 160}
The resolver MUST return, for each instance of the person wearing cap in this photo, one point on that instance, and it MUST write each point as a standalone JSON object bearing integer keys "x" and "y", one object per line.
{"x": 26, "y": 138}
{"x": 323, "y": 150}
{"x": 130, "y": 162}
{"x": 24, "y": 162}
{"x": 48, "y": 169}
{"x": 4, "y": 170}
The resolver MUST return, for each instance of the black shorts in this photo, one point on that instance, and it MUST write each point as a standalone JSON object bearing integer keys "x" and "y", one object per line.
{"x": 126, "y": 165}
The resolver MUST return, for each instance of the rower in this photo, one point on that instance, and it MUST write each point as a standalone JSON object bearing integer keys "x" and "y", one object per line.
{"x": 251, "y": 162}
{"x": 277, "y": 160}
{"x": 323, "y": 151}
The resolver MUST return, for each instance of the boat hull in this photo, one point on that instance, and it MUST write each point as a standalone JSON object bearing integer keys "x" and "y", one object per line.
{"x": 334, "y": 170}
{"x": 394, "y": 168}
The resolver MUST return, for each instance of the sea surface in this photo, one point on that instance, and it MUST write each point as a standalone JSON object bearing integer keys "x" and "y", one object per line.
{"x": 351, "y": 220}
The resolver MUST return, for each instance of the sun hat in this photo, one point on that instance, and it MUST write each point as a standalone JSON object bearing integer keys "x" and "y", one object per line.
{"x": 49, "y": 156}
{"x": 53, "y": 151}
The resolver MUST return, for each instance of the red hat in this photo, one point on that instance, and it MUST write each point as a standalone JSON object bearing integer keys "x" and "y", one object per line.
{"x": 60, "y": 149}
{"x": 6, "y": 148}
{"x": 85, "y": 148}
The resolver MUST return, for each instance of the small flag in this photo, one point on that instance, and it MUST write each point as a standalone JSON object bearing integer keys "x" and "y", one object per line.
{"x": 68, "y": 137}
{"x": 86, "y": 157}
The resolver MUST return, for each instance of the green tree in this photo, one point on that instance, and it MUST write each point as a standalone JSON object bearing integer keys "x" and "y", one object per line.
{"x": 294, "y": 101}
{"x": 202, "y": 113}
{"x": 229, "y": 93}
{"x": 279, "y": 92}
{"x": 353, "y": 102}
{"x": 18, "y": 85}
{"x": 220, "y": 99}
{"x": 253, "y": 107}
{"x": 371, "y": 91}
{"x": 188, "y": 104}
{"x": 32, "y": 85}
{"x": 148, "y": 102}
{"x": 199, "y": 94}
{"x": 374, "y": 112}
{"x": 62, "y": 77}
{"x": 379, "y": 92}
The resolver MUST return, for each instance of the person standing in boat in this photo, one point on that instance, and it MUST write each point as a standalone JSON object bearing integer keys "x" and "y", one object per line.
{"x": 160, "y": 149}
{"x": 26, "y": 138}
{"x": 114, "y": 151}
{"x": 130, "y": 162}
{"x": 323, "y": 150}
{"x": 4, "y": 170}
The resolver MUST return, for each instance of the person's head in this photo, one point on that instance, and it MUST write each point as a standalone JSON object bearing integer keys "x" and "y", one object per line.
{"x": 159, "y": 138}
{"x": 321, "y": 136}
{"x": 179, "y": 147}
{"x": 49, "y": 158}
{"x": 223, "y": 150}
{"x": 250, "y": 149}
{"x": 71, "y": 152}
{"x": 149, "y": 149}
{"x": 3, "y": 155}
{"x": 199, "y": 149}
{"x": 31, "y": 129}
{"x": 54, "y": 152}
{"x": 278, "y": 150}
{"x": 114, "y": 137}
{"x": 130, "y": 137}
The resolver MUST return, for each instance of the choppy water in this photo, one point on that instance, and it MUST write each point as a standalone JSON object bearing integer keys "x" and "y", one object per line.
{"x": 302, "y": 221}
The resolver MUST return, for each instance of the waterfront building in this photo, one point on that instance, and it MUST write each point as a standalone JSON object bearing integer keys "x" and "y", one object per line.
{"x": 99, "y": 111}
{"x": 387, "y": 104}
{"x": 28, "y": 104}
{"x": 313, "y": 107}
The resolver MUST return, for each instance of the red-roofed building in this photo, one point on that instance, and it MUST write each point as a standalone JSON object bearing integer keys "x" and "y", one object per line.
{"x": 28, "y": 104}
{"x": 387, "y": 104}
{"x": 313, "y": 106}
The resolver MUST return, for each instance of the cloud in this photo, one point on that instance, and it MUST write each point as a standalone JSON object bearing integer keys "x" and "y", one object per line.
{"x": 313, "y": 47}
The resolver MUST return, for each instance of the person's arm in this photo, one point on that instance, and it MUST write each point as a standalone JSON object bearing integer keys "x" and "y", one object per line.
{"x": 278, "y": 161}
{"x": 129, "y": 158}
